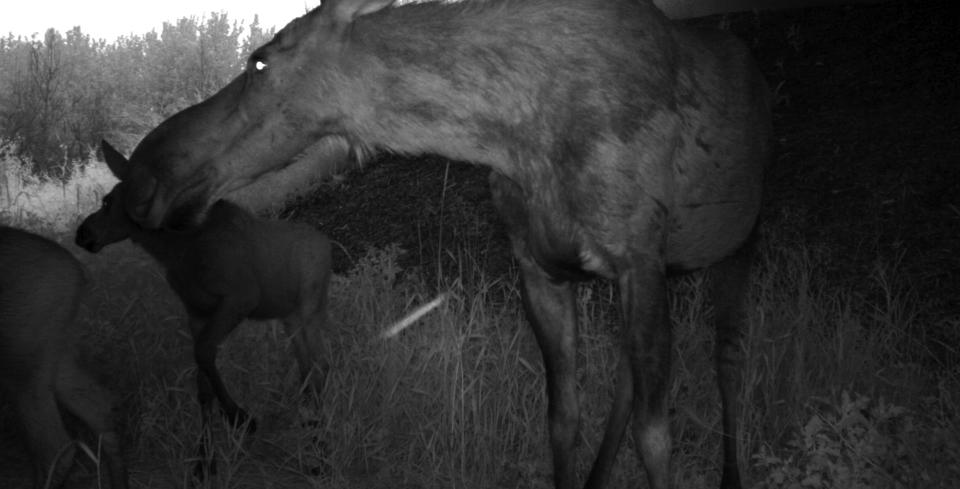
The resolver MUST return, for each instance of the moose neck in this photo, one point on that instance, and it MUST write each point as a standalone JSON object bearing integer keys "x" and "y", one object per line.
{"x": 474, "y": 83}
{"x": 164, "y": 246}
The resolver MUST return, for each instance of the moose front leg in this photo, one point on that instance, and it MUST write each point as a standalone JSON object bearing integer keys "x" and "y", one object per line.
{"x": 647, "y": 344}
{"x": 207, "y": 338}
{"x": 550, "y": 308}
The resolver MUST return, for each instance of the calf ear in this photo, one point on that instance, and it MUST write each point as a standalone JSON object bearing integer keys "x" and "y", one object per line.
{"x": 116, "y": 161}
{"x": 345, "y": 11}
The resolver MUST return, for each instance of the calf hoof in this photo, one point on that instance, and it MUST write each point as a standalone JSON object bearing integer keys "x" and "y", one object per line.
{"x": 204, "y": 467}
{"x": 323, "y": 468}
{"x": 730, "y": 479}
{"x": 240, "y": 419}
{"x": 320, "y": 446}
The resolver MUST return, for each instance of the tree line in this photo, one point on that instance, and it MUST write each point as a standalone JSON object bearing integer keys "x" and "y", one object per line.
{"x": 60, "y": 94}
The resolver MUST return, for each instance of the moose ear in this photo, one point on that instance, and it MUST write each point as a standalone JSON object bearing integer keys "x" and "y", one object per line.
{"x": 116, "y": 161}
{"x": 345, "y": 11}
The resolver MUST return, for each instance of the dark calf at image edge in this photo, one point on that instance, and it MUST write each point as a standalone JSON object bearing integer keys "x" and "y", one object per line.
{"x": 41, "y": 288}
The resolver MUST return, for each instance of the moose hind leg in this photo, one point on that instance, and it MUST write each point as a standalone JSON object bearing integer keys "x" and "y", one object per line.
{"x": 616, "y": 425}
{"x": 550, "y": 308}
{"x": 648, "y": 343}
{"x": 729, "y": 286}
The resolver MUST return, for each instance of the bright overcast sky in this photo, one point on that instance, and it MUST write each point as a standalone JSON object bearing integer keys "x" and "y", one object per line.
{"x": 109, "y": 19}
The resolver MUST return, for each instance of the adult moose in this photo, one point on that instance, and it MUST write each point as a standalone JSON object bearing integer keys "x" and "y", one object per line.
{"x": 622, "y": 146}
{"x": 231, "y": 267}
{"x": 41, "y": 285}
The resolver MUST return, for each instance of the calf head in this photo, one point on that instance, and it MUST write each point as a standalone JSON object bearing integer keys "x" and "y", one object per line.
{"x": 110, "y": 223}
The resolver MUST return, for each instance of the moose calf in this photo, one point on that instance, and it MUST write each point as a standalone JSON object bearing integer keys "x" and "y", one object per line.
{"x": 231, "y": 267}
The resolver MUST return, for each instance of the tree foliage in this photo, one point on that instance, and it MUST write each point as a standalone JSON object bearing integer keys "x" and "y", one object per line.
{"x": 61, "y": 94}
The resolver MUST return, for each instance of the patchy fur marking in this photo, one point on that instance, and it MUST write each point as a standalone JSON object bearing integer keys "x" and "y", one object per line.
{"x": 413, "y": 317}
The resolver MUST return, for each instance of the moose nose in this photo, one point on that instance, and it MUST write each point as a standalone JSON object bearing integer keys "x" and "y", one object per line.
{"x": 86, "y": 240}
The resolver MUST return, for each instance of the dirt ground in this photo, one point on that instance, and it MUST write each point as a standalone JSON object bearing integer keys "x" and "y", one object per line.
{"x": 866, "y": 167}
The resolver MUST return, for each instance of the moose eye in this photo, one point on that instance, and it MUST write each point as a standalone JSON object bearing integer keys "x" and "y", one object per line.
{"x": 259, "y": 65}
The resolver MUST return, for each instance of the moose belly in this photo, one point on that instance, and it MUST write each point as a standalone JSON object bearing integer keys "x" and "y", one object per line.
{"x": 704, "y": 234}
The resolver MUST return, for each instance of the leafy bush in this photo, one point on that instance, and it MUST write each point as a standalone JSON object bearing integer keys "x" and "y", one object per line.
{"x": 864, "y": 445}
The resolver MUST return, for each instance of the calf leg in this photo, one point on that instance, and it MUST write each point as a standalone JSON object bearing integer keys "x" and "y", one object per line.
{"x": 307, "y": 340}
{"x": 86, "y": 399}
{"x": 551, "y": 311}
{"x": 729, "y": 281}
{"x": 207, "y": 338}
{"x": 307, "y": 330}
{"x": 205, "y": 397}
{"x": 50, "y": 446}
